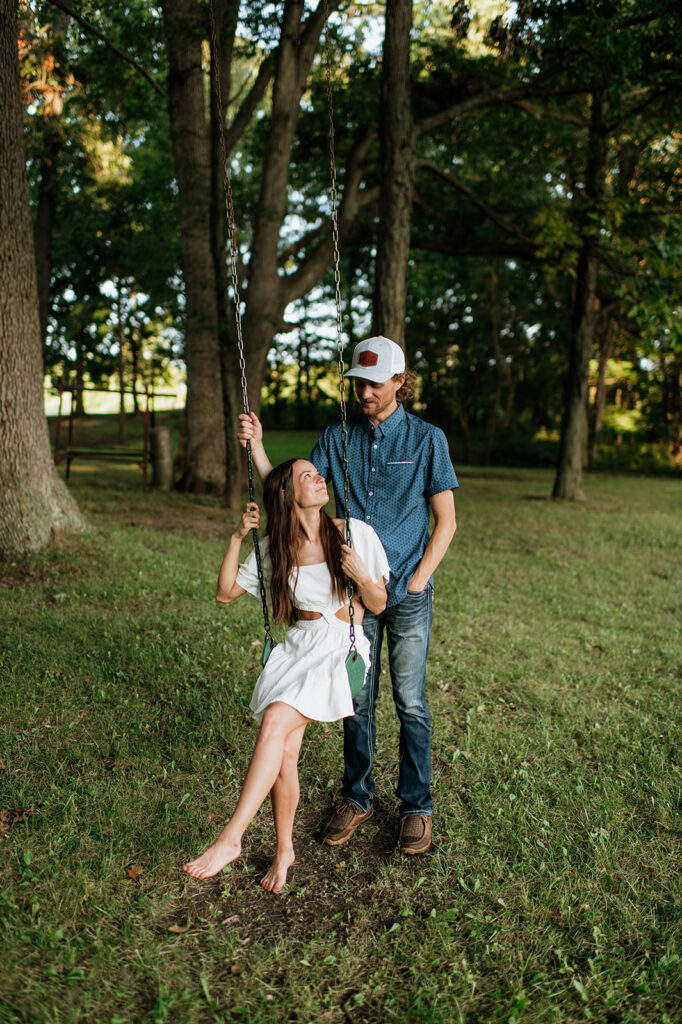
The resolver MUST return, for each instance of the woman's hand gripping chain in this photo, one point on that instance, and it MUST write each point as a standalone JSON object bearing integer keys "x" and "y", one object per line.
{"x": 249, "y": 520}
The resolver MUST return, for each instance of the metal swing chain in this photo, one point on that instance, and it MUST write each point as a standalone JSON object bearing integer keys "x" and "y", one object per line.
{"x": 339, "y": 328}
{"x": 234, "y": 254}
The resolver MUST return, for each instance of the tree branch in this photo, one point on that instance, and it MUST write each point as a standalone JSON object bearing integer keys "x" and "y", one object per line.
{"x": 642, "y": 19}
{"x": 500, "y": 96}
{"x": 312, "y": 31}
{"x": 539, "y": 112}
{"x": 489, "y": 212}
{"x": 112, "y": 46}
{"x": 455, "y": 247}
{"x": 295, "y": 285}
{"x": 242, "y": 118}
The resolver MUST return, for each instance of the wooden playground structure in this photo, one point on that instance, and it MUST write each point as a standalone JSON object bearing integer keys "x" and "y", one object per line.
{"x": 70, "y": 451}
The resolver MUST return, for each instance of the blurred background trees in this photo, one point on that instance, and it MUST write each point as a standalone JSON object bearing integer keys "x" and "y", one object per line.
{"x": 544, "y": 250}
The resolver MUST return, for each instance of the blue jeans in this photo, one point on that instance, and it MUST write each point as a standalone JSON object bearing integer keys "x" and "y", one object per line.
{"x": 408, "y": 632}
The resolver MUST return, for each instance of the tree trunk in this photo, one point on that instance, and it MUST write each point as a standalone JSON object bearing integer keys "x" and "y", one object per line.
{"x": 131, "y": 332}
{"x": 600, "y": 396}
{"x": 81, "y": 345}
{"x": 34, "y": 503}
{"x": 53, "y": 141}
{"x": 79, "y": 407}
{"x": 205, "y": 457}
{"x": 226, "y": 18}
{"x": 568, "y": 483}
{"x": 501, "y": 369}
{"x": 267, "y": 297}
{"x": 463, "y": 416}
{"x": 120, "y": 335}
{"x": 397, "y": 176}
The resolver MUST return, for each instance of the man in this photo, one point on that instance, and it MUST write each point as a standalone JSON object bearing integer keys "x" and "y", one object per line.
{"x": 399, "y": 474}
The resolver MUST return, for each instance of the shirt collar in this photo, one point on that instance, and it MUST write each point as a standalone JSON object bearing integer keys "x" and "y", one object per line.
{"x": 393, "y": 422}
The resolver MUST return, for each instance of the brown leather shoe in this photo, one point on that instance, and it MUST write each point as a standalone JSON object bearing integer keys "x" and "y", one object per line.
{"x": 415, "y": 833}
{"x": 343, "y": 824}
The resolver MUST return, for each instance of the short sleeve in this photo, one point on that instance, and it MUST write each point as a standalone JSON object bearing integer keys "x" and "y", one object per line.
{"x": 320, "y": 455}
{"x": 440, "y": 475}
{"x": 371, "y": 550}
{"x": 247, "y": 577}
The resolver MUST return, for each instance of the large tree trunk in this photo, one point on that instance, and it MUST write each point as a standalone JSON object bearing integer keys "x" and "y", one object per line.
{"x": 34, "y": 503}
{"x": 397, "y": 176}
{"x": 568, "y": 483}
{"x": 226, "y": 18}
{"x": 205, "y": 457}
{"x": 267, "y": 294}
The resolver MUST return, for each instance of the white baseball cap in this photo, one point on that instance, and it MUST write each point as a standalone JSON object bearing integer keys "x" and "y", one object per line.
{"x": 376, "y": 359}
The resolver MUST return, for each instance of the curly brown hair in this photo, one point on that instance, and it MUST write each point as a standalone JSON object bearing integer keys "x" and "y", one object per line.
{"x": 406, "y": 392}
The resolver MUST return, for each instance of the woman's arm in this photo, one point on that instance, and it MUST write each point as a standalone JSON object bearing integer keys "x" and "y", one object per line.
{"x": 251, "y": 429}
{"x": 372, "y": 595}
{"x": 228, "y": 588}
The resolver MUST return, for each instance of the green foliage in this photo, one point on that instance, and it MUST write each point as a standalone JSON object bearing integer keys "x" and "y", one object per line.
{"x": 508, "y": 194}
{"x": 552, "y": 892}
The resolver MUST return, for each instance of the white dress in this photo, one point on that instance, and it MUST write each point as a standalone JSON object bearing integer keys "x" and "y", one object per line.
{"x": 308, "y": 668}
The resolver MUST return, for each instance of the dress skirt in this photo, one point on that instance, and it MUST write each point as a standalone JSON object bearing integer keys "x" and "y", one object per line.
{"x": 307, "y": 670}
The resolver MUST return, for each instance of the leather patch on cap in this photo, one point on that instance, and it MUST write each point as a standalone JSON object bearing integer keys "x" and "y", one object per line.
{"x": 368, "y": 359}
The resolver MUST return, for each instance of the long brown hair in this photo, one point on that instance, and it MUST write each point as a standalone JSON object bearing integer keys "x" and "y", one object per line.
{"x": 284, "y": 534}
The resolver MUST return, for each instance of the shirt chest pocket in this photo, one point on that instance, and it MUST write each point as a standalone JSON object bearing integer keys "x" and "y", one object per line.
{"x": 400, "y": 478}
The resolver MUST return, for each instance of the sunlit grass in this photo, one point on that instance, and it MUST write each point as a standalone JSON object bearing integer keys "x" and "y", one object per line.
{"x": 553, "y": 890}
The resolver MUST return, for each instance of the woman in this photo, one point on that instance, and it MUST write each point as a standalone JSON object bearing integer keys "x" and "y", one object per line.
{"x": 306, "y": 565}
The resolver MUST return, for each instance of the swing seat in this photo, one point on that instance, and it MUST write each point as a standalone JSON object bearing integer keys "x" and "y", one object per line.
{"x": 268, "y": 646}
{"x": 356, "y": 669}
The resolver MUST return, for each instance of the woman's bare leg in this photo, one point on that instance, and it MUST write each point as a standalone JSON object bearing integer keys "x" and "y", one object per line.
{"x": 278, "y": 722}
{"x": 284, "y": 796}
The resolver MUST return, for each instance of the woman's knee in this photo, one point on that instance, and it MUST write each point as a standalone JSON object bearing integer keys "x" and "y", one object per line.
{"x": 280, "y": 719}
{"x": 273, "y": 722}
{"x": 289, "y": 766}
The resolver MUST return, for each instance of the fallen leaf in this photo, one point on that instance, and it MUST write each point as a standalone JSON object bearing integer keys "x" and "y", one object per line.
{"x": 133, "y": 871}
{"x": 179, "y": 929}
{"x": 235, "y": 969}
{"x": 9, "y": 818}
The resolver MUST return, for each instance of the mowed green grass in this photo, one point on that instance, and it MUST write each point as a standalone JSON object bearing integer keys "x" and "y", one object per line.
{"x": 553, "y": 891}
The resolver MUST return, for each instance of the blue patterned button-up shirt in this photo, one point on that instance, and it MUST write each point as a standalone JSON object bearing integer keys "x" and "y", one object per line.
{"x": 393, "y": 470}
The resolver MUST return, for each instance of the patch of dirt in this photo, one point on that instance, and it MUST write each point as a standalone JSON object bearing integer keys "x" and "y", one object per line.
{"x": 177, "y": 515}
{"x": 18, "y": 574}
{"x": 326, "y": 889}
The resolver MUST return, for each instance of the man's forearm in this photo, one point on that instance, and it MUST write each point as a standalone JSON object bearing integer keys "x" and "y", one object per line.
{"x": 443, "y": 508}
{"x": 439, "y": 542}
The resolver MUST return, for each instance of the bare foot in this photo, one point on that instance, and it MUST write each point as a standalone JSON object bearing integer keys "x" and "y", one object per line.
{"x": 275, "y": 879}
{"x": 213, "y": 859}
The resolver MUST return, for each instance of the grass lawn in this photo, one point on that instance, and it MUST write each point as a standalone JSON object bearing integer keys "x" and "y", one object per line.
{"x": 553, "y": 891}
